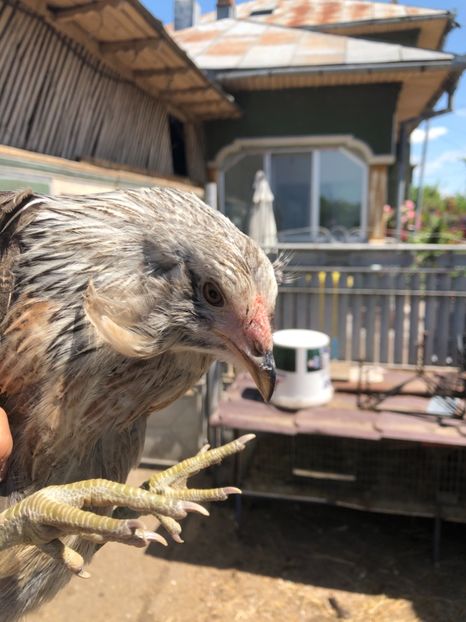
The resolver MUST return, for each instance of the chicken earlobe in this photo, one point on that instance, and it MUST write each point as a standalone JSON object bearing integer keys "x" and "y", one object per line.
{"x": 44, "y": 517}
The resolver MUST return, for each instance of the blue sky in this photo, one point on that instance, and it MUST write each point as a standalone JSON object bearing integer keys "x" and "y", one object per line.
{"x": 447, "y": 134}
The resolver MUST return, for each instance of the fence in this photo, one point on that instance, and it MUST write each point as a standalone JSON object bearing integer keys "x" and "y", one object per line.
{"x": 376, "y": 302}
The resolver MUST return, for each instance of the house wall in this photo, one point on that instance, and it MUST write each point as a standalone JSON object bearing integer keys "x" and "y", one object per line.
{"x": 408, "y": 37}
{"x": 365, "y": 111}
{"x": 57, "y": 99}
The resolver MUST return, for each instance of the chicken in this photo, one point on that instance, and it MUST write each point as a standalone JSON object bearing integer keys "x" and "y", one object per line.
{"x": 119, "y": 303}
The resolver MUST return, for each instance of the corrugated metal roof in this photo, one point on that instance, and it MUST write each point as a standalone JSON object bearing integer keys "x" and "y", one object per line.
{"x": 232, "y": 44}
{"x": 302, "y": 13}
{"x": 130, "y": 40}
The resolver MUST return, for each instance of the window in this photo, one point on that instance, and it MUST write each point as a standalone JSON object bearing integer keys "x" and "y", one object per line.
{"x": 340, "y": 190}
{"x": 239, "y": 179}
{"x": 291, "y": 186}
{"x": 319, "y": 194}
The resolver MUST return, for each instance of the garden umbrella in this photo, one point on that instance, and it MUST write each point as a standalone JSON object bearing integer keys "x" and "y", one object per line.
{"x": 262, "y": 225}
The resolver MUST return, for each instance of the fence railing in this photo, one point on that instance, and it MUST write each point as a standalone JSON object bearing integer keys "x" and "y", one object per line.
{"x": 377, "y": 302}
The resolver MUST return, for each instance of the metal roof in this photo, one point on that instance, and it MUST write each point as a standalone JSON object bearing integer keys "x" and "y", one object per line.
{"x": 233, "y": 44}
{"x": 349, "y": 17}
{"x": 131, "y": 41}
{"x": 299, "y": 13}
{"x": 248, "y": 55}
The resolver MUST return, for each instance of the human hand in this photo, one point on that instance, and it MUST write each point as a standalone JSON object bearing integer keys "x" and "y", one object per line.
{"x": 6, "y": 442}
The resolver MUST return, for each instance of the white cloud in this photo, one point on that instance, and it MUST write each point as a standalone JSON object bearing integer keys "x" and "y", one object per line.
{"x": 447, "y": 157}
{"x": 418, "y": 135}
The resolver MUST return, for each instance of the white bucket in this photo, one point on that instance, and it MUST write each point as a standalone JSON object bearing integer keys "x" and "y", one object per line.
{"x": 302, "y": 359}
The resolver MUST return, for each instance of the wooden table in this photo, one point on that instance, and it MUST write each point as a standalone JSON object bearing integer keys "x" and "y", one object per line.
{"x": 397, "y": 460}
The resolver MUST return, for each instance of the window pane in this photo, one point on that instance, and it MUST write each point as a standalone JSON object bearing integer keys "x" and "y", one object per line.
{"x": 291, "y": 185}
{"x": 341, "y": 182}
{"x": 238, "y": 189}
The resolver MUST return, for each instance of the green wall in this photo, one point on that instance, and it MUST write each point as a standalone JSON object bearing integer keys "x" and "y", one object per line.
{"x": 365, "y": 111}
{"x": 401, "y": 37}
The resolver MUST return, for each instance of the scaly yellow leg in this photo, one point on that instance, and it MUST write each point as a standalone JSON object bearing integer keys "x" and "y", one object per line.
{"x": 46, "y": 515}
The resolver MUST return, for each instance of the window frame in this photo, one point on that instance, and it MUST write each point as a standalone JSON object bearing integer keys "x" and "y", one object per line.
{"x": 314, "y": 195}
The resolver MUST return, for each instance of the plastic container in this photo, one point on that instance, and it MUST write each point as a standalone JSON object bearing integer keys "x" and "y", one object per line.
{"x": 302, "y": 359}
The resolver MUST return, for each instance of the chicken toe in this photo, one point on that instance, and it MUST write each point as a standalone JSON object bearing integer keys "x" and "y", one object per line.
{"x": 43, "y": 517}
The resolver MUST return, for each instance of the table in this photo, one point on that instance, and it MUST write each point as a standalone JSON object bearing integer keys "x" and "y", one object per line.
{"x": 398, "y": 460}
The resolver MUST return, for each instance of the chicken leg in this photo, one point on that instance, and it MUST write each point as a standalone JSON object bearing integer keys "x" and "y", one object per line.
{"x": 42, "y": 518}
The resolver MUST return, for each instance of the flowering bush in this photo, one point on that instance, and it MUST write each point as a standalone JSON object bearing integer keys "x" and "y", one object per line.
{"x": 443, "y": 220}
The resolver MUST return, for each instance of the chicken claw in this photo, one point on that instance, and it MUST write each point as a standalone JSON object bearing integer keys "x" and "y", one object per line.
{"x": 172, "y": 483}
{"x": 43, "y": 517}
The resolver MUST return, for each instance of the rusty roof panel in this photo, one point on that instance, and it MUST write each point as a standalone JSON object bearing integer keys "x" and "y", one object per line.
{"x": 243, "y": 44}
{"x": 307, "y": 13}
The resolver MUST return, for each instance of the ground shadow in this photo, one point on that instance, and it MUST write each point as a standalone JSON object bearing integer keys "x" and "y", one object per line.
{"x": 335, "y": 548}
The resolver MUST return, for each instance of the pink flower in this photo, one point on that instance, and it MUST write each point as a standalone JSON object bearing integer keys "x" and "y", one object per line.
{"x": 387, "y": 209}
{"x": 409, "y": 204}
{"x": 404, "y": 219}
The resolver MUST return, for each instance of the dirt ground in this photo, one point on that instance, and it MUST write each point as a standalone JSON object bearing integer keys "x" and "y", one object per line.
{"x": 286, "y": 562}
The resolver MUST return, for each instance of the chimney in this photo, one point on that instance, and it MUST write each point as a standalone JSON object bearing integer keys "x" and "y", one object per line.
{"x": 226, "y": 9}
{"x": 187, "y": 13}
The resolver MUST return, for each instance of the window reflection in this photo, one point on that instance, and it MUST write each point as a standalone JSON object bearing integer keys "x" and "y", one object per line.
{"x": 291, "y": 186}
{"x": 334, "y": 207}
{"x": 340, "y": 189}
{"x": 239, "y": 180}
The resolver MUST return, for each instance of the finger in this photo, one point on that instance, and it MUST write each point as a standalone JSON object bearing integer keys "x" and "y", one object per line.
{"x": 6, "y": 442}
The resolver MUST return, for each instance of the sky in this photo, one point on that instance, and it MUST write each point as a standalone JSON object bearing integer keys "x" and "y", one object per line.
{"x": 447, "y": 133}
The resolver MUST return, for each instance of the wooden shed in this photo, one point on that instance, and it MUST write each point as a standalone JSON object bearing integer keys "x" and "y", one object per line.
{"x": 97, "y": 95}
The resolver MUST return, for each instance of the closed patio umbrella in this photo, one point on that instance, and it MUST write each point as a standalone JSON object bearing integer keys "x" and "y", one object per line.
{"x": 262, "y": 225}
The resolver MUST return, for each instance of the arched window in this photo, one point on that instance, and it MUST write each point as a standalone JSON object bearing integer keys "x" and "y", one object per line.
{"x": 320, "y": 193}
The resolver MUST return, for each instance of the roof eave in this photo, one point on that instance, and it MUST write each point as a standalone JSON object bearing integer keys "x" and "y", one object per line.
{"x": 226, "y": 75}
{"x": 448, "y": 15}
{"x": 158, "y": 26}
{"x": 70, "y": 26}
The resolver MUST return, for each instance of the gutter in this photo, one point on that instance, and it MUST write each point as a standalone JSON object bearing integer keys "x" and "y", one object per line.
{"x": 444, "y": 63}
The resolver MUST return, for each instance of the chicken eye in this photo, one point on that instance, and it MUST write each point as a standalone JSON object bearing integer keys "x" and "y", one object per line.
{"x": 213, "y": 295}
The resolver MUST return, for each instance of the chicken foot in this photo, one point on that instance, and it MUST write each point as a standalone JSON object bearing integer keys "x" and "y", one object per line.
{"x": 43, "y": 517}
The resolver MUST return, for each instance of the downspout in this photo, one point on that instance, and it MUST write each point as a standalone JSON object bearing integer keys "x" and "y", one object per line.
{"x": 420, "y": 190}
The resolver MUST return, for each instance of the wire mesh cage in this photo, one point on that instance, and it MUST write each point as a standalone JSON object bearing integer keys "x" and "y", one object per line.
{"x": 387, "y": 475}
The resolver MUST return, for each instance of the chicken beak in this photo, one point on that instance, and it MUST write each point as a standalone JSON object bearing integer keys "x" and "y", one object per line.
{"x": 261, "y": 368}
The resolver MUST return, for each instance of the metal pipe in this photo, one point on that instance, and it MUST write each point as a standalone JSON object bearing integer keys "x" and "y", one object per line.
{"x": 401, "y": 190}
{"x": 420, "y": 190}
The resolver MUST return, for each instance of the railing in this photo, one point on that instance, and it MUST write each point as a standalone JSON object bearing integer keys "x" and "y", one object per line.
{"x": 377, "y": 302}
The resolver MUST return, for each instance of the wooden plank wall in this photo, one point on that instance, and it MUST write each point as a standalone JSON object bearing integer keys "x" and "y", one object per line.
{"x": 379, "y": 312}
{"x": 56, "y": 98}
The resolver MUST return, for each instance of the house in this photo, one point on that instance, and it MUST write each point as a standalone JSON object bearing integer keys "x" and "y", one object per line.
{"x": 329, "y": 93}
{"x": 97, "y": 95}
